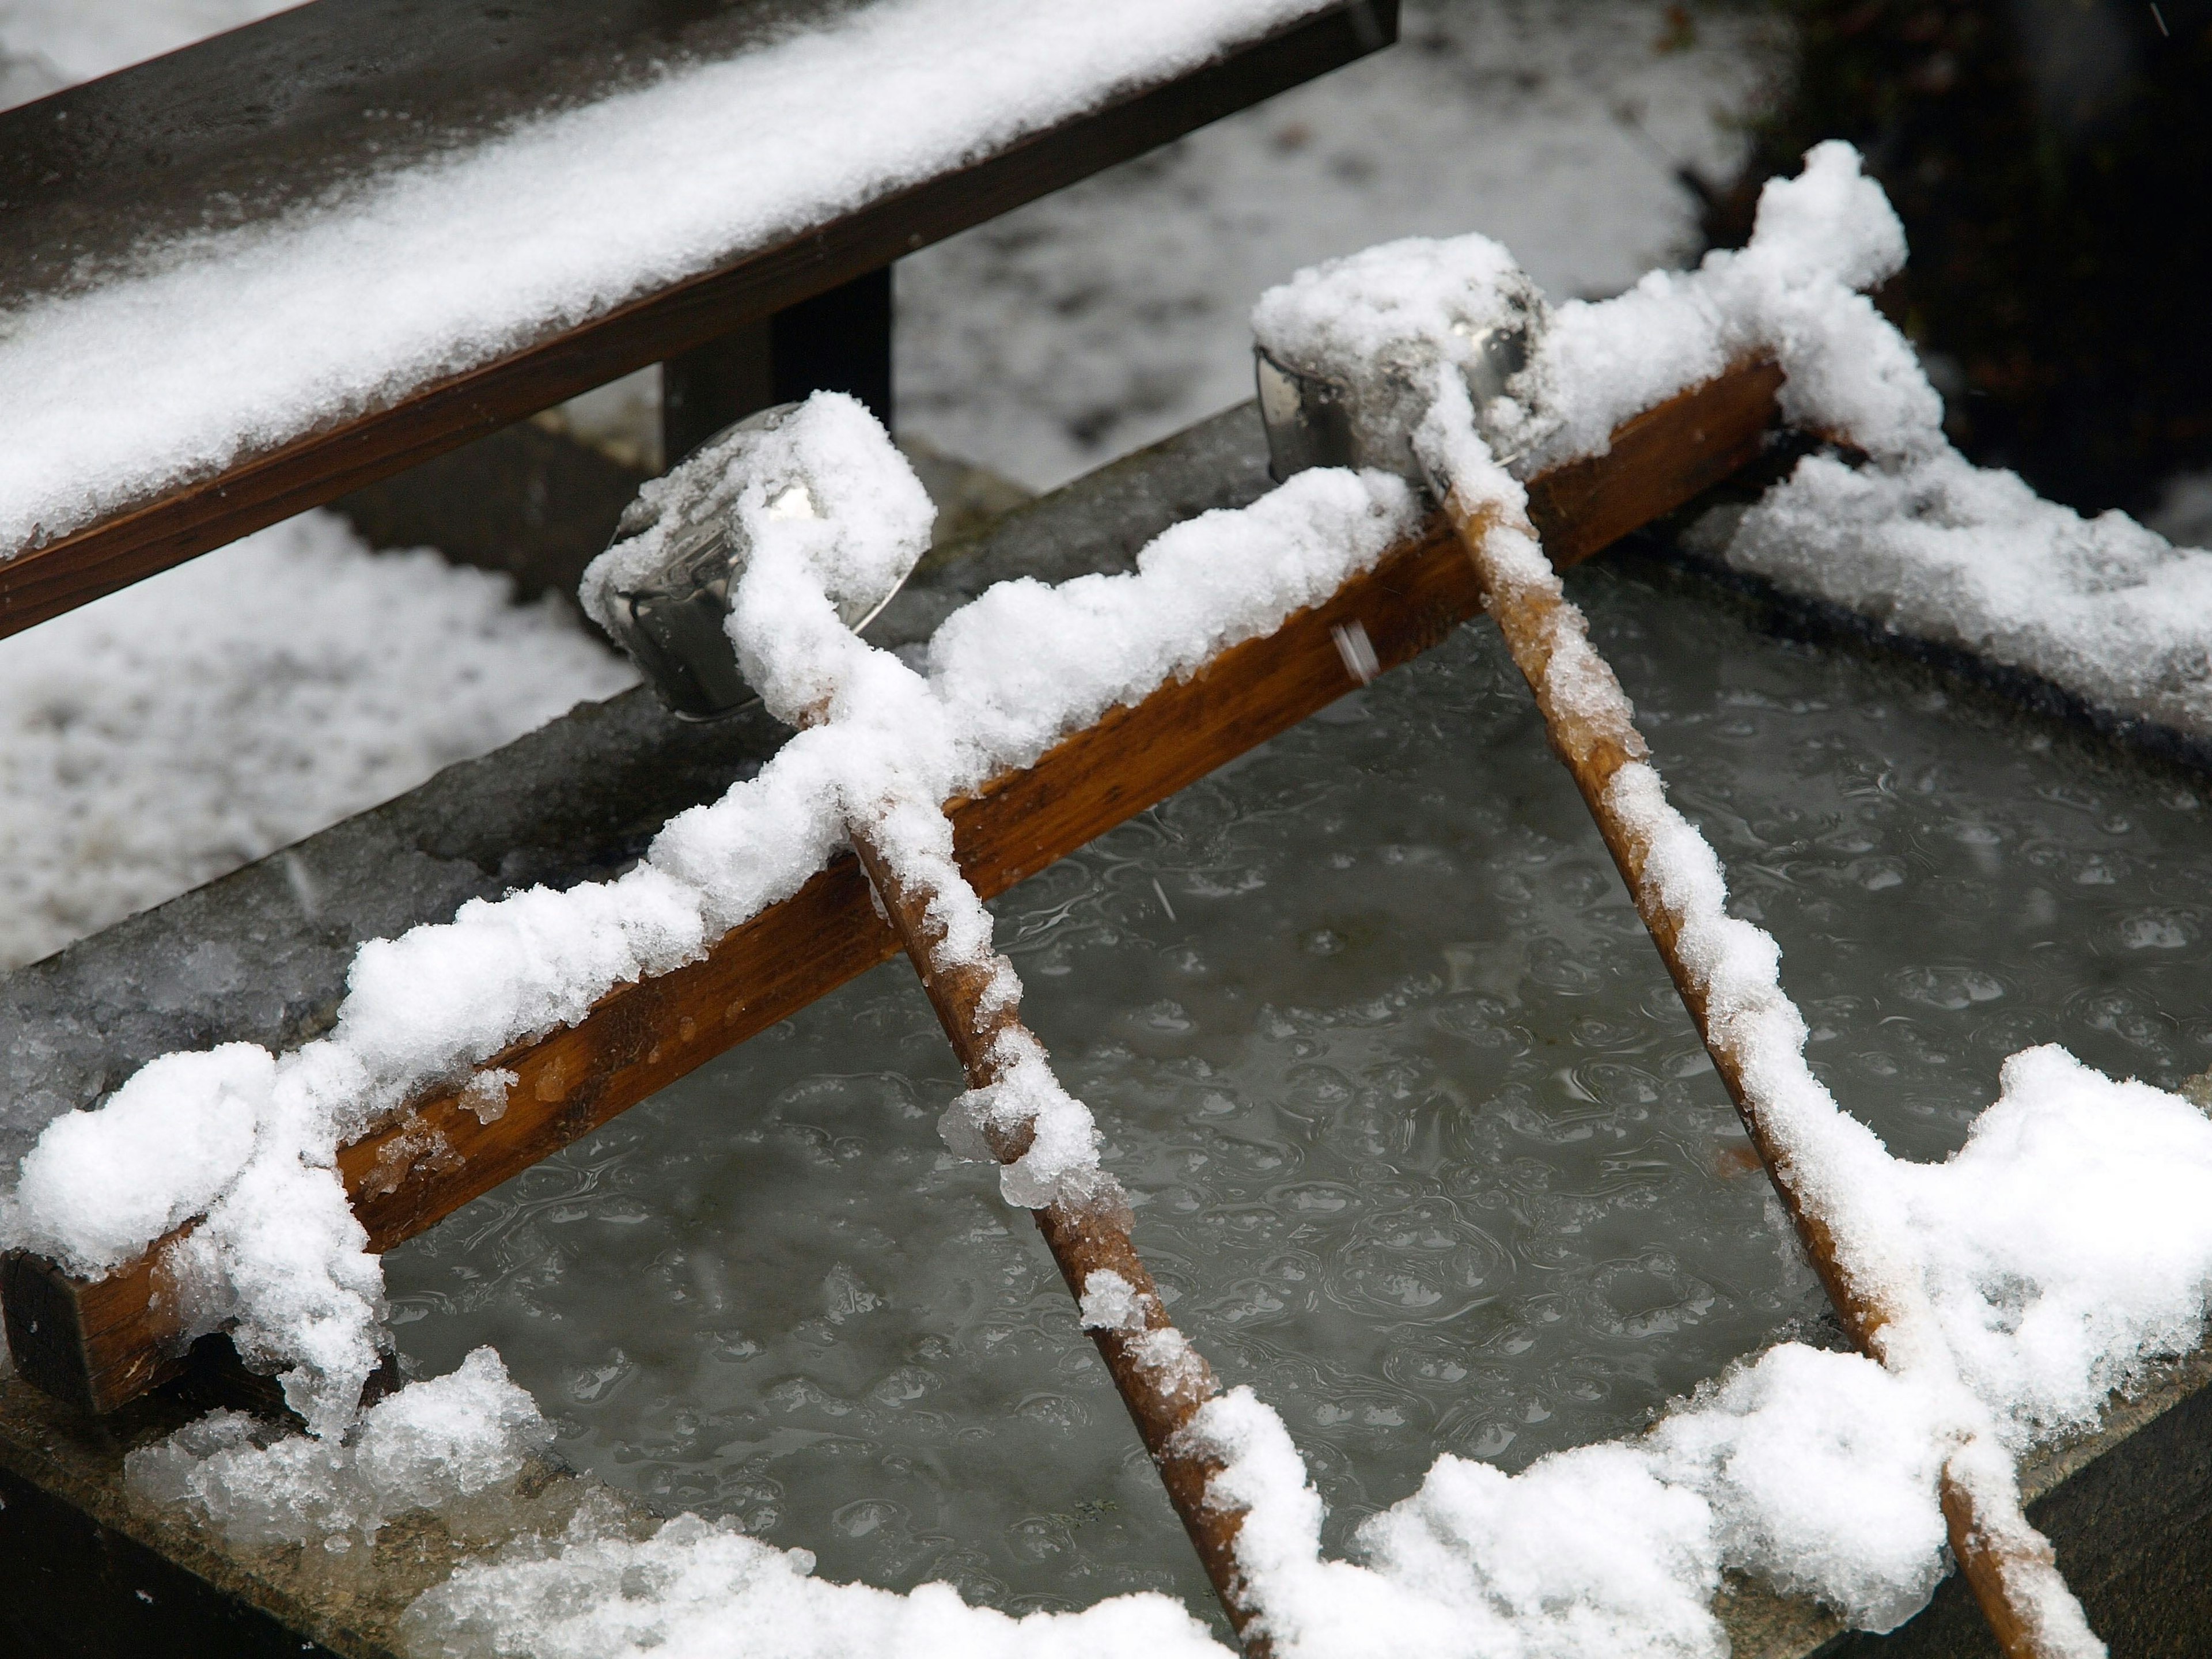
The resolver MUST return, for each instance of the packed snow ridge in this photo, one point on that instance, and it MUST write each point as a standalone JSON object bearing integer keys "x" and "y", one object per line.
{"x": 227, "y": 343}
{"x": 2064, "y": 1250}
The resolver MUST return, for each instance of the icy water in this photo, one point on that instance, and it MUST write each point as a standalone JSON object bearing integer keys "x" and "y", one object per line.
{"x": 1424, "y": 1147}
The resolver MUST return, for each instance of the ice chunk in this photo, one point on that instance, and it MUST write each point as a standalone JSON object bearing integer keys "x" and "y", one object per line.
{"x": 1111, "y": 1303}
{"x": 485, "y": 1094}
{"x": 705, "y": 1590}
{"x": 428, "y": 1445}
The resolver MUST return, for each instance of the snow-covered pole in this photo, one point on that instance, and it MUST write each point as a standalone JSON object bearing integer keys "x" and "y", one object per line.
{"x": 1388, "y": 359}
{"x": 1161, "y": 1378}
{"x": 753, "y": 565}
{"x": 2009, "y": 1566}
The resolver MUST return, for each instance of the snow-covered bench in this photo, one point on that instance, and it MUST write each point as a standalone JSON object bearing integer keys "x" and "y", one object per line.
{"x": 241, "y": 280}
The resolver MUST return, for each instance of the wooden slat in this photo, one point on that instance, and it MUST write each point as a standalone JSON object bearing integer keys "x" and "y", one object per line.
{"x": 40, "y": 582}
{"x": 99, "y": 1344}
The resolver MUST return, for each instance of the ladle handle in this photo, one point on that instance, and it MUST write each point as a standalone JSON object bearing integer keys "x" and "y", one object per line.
{"x": 1162, "y": 1379}
{"x": 2009, "y": 1566}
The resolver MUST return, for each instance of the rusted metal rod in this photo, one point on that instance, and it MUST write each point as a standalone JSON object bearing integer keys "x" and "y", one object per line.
{"x": 1161, "y": 1378}
{"x": 2009, "y": 1566}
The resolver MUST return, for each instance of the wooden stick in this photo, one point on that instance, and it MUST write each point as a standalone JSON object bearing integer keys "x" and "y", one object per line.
{"x": 98, "y": 1345}
{"x": 1162, "y": 1379}
{"x": 2010, "y": 1566}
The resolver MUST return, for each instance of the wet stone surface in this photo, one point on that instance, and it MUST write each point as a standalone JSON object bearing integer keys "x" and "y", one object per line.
{"x": 1424, "y": 1148}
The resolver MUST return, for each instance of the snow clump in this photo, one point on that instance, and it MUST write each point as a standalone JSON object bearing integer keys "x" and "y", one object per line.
{"x": 425, "y": 1447}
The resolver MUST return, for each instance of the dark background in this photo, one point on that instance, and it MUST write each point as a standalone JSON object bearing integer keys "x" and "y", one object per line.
{"x": 2052, "y": 162}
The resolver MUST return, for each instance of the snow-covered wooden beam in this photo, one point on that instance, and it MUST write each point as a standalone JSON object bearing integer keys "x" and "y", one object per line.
{"x": 100, "y": 1344}
{"x": 98, "y": 178}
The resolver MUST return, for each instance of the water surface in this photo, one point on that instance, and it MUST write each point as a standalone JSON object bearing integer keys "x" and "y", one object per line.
{"x": 1424, "y": 1148}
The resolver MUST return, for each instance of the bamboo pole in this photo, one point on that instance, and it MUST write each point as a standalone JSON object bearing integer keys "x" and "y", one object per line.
{"x": 1162, "y": 1379}
{"x": 2009, "y": 1566}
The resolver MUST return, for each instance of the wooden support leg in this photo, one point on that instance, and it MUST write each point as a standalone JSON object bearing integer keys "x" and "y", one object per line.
{"x": 838, "y": 341}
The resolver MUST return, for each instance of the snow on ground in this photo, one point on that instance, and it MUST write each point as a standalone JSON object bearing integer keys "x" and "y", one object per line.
{"x": 1107, "y": 316}
{"x": 46, "y": 44}
{"x": 170, "y": 732}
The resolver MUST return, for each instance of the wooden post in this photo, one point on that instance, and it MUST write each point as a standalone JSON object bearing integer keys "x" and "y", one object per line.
{"x": 838, "y": 341}
{"x": 1161, "y": 1378}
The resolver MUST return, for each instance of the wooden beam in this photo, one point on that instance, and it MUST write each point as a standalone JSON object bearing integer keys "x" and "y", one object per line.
{"x": 99, "y": 1343}
{"x": 184, "y": 520}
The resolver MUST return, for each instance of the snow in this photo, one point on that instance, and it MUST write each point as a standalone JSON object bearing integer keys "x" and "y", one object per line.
{"x": 46, "y": 44}
{"x": 1791, "y": 294}
{"x": 168, "y": 733}
{"x": 1938, "y": 549}
{"x": 163, "y": 1147}
{"x": 706, "y": 1590}
{"x": 232, "y": 342}
{"x": 1914, "y": 538}
{"x": 1062, "y": 1159}
{"x": 426, "y": 1447}
{"x": 2062, "y": 1243}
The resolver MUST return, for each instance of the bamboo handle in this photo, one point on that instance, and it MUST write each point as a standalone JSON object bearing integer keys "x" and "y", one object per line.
{"x": 2009, "y": 1566}
{"x": 1161, "y": 1378}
